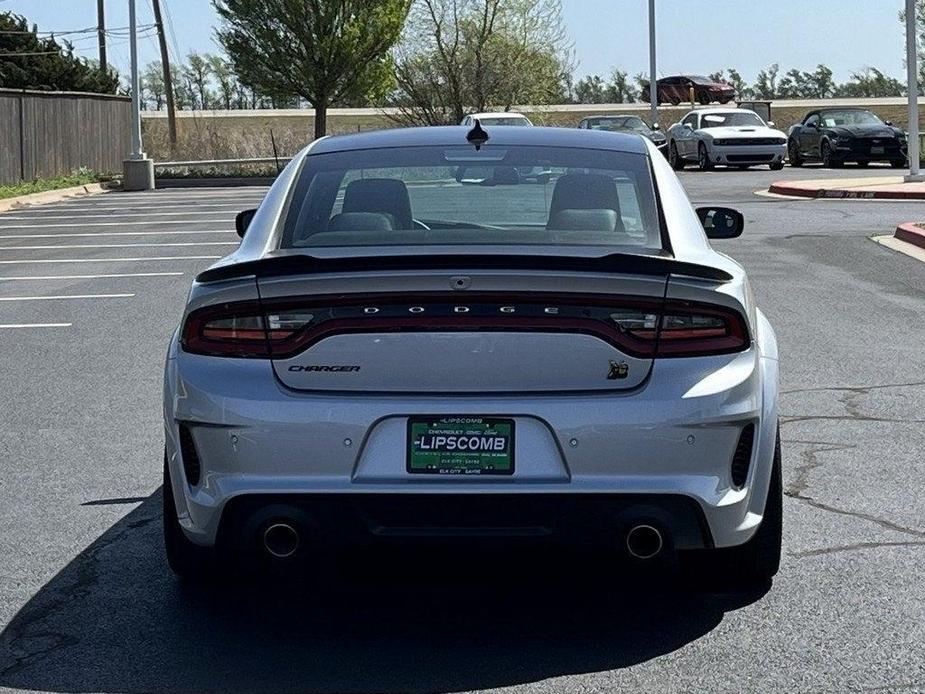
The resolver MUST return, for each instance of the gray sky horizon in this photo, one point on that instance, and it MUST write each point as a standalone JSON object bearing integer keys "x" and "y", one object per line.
{"x": 694, "y": 36}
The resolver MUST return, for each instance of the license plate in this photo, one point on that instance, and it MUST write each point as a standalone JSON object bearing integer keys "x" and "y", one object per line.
{"x": 876, "y": 150}
{"x": 461, "y": 445}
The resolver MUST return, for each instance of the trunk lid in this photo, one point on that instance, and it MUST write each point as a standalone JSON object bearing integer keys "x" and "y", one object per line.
{"x": 457, "y": 331}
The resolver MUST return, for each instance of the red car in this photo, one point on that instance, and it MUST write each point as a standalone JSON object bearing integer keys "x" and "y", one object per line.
{"x": 674, "y": 90}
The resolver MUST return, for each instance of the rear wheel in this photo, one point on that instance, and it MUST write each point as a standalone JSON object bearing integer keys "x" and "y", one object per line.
{"x": 793, "y": 154}
{"x": 187, "y": 560}
{"x": 674, "y": 100}
{"x": 898, "y": 164}
{"x": 677, "y": 163}
{"x": 776, "y": 166}
{"x": 703, "y": 159}
{"x": 704, "y": 99}
{"x": 725, "y": 100}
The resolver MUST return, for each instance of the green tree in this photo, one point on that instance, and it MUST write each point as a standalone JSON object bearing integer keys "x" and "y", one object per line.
{"x": 766, "y": 82}
{"x": 28, "y": 61}
{"x": 462, "y": 55}
{"x": 324, "y": 51}
{"x": 743, "y": 91}
{"x": 620, "y": 90}
{"x": 225, "y": 80}
{"x": 590, "y": 90}
{"x": 152, "y": 81}
{"x": 197, "y": 72}
{"x": 870, "y": 82}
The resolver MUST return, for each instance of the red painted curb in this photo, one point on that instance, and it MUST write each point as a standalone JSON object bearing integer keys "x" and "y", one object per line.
{"x": 794, "y": 190}
{"x": 910, "y": 233}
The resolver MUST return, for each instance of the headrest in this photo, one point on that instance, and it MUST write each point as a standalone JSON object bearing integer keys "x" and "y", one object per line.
{"x": 383, "y": 195}
{"x": 361, "y": 221}
{"x": 583, "y": 220}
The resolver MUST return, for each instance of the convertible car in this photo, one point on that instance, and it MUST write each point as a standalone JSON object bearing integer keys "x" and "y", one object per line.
{"x": 838, "y": 135}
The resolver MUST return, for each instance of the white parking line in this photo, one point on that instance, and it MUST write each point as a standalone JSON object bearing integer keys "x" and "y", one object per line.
{"x": 185, "y": 213}
{"x": 10, "y": 326}
{"x": 68, "y": 208}
{"x": 113, "y": 233}
{"x": 119, "y": 245}
{"x": 112, "y": 224}
{"x": 66, "y": 296}
{"x": 91, "y": 277}
{"x": 112, "y": 260}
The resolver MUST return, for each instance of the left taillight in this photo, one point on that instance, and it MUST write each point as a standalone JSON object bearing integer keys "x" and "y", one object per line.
{"x": 240, "y": 330}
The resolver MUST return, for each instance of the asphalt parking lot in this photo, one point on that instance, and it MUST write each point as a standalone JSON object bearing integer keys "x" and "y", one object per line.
{"x": 90, "y": 290}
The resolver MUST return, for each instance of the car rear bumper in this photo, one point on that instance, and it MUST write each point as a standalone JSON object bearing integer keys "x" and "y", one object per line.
{"x": 673, "y": 437}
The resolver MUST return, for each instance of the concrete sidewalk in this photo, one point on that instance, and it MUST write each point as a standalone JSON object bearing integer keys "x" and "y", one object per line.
{"x": 871, "y": 187}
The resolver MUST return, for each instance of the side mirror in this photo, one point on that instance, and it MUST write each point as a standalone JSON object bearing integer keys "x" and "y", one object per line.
{"x": 689, "y": 126}
{"x": 888, "y": 122}
{"x": 770, "y": 124}
{"x": 814, "y": 126}
{"x": 243, "y": 220}
{"x": 656, "y": 126}
{"x": 721, "y": 222}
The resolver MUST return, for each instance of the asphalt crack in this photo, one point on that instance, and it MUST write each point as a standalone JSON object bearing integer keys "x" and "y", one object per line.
{"x": 855, "y": 547}
{"x": 25, "y": 629}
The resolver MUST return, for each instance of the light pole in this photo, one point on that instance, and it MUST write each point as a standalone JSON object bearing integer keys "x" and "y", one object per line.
{"x": 912, "y": 90}
{"x": 137, "y": 170}
{"x": 653, "y": 87}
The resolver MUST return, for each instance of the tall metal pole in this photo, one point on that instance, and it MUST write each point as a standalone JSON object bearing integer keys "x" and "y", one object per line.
{"x": 136, "y": 91}
{"x": 101, "y": 31}
{"x": 912, "y": 88}
{"x": 168, "y": 77}
{"x": 653, "y": 87}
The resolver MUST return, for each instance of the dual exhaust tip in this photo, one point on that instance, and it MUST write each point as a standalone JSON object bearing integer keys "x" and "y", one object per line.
{"x": 643, "y": 541}
{"x": 280, "y": 540}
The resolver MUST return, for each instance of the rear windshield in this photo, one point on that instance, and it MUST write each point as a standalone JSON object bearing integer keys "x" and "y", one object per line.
{"x": 505, "y": 121}
{"x": 456, "y": 195}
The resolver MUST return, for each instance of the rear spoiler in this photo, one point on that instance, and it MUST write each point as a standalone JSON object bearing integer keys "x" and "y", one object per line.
{"x": 282, "y": 265}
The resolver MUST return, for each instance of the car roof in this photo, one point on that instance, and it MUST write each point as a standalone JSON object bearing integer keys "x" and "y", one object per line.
{"x": 442, "y": 136}
{"x": 708, "y": 111}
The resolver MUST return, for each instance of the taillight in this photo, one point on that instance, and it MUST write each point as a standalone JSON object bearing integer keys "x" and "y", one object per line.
{"x": 642, "y": 328}
{"x": 685, "y": 329}
{"x": 240, "y": 330}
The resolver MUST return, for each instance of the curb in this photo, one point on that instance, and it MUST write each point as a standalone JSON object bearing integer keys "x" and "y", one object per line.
{"x": 213, "y": 182}
{"x": 48, "y": 196}
{"x": 789, "y": 189}
{"x": 910, "y": 233}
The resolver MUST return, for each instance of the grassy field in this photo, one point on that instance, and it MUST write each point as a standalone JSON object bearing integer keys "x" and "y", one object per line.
{"x": 224, "y": 135}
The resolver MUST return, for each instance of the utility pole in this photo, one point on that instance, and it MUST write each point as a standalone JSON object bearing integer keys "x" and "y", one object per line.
{"x": 168, "y": 79}
{"x": 912, "y": 90}
{"x": 137, "y": 170}
{"x": 101, "y": 32}
{"x": 653, "y": 86}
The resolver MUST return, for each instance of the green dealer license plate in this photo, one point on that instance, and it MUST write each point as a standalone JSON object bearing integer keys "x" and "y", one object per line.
{"x": 461, "y": 445}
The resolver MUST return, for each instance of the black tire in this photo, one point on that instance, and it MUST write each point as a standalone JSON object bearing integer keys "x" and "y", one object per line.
{"x": 793, "y": 154}
{"x": 192, "y": 563}
{"x": 828, "y": 158}
{"x": 703, "y": 159}
{"x": 863, "y": 164}
{"x": 675, "y": 101}
{"x": 776, "y": 166}
{"x": 725, "y": 100}
{"x": 899, "y": 164}
{"x": 704, "y": 99}
{"x": 743, "y": 167}
{"x": 675, "y": 159}
{"x": 756, "y": 562}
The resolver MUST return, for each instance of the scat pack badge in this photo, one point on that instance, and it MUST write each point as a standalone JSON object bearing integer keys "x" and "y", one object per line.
{"x": 618, "y": 369}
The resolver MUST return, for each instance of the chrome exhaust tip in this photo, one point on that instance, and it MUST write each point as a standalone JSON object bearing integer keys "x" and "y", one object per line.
{"x": 644, "y": 542}
{"x": 280, "y": 540}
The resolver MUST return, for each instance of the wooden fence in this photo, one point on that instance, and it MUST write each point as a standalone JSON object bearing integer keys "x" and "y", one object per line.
{"x": 47, "y": 134}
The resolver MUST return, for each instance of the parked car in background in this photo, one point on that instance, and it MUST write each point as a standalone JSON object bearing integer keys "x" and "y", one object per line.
{"x": 677, "y": 89}
{"x": 726, "y": 137}
{"x": 836, "y": 135}
{"x": 626, "y": 124}
{"x": 499, "y": 118}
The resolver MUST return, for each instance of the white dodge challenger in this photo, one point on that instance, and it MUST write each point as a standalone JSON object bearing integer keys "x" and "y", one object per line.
{"x": 726, "y": 137}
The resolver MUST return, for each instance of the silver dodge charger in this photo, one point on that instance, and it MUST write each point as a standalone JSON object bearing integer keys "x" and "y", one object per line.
{"x": 390, "y": 355}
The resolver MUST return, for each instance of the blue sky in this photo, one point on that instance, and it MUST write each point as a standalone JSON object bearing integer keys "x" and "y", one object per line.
{"x": 695, "y": 36}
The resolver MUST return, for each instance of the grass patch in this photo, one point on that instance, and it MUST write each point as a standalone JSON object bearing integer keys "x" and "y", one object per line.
{"x": 80, "y": 177}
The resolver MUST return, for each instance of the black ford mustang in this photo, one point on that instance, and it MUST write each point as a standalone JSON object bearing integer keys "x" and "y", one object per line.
{"x": 837, "y": 135}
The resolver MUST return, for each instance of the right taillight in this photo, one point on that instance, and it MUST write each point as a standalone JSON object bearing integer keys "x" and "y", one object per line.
{"x": 686, "y": 329}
